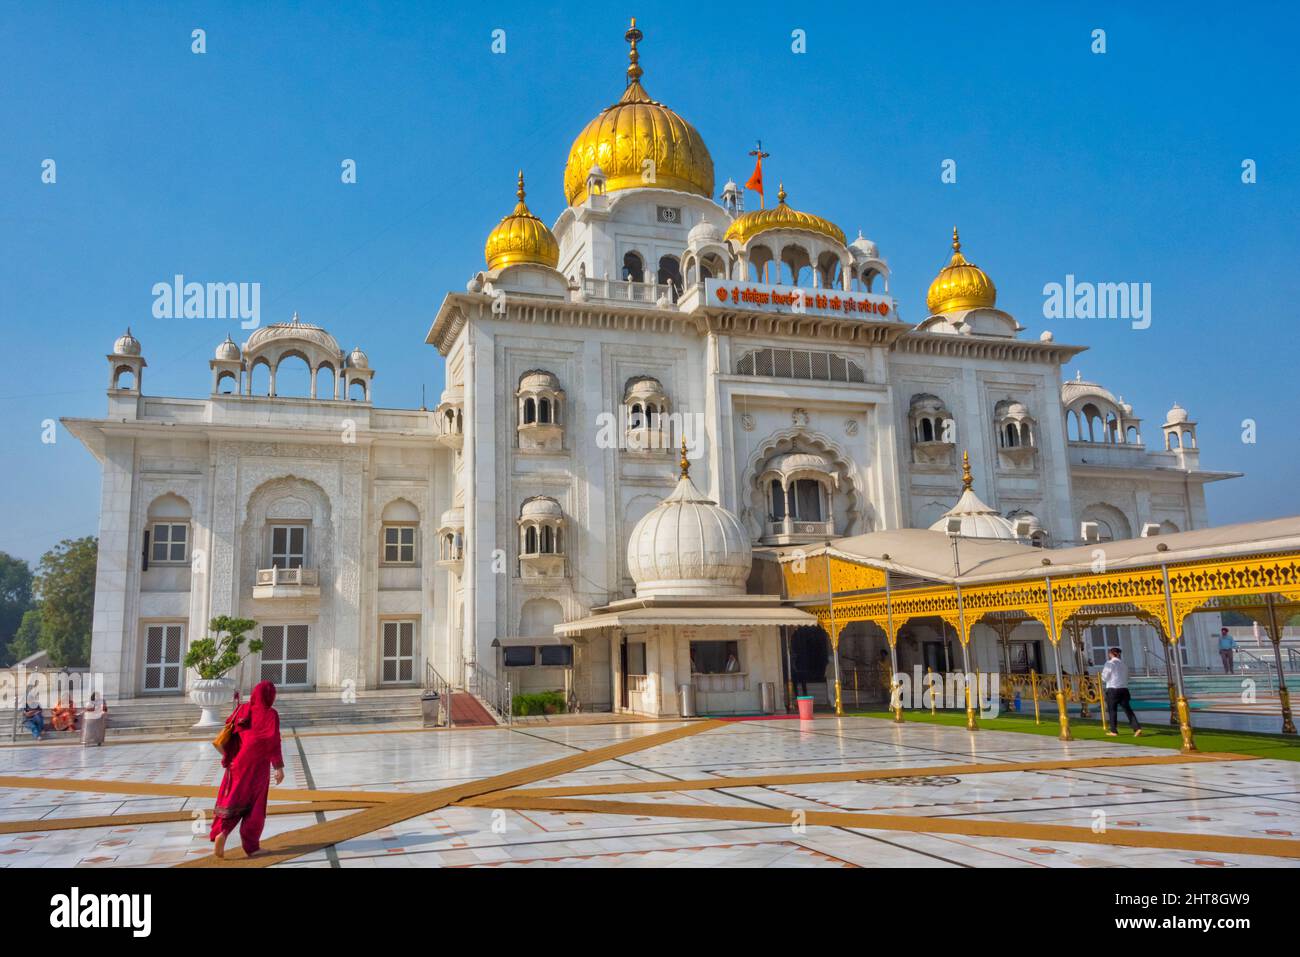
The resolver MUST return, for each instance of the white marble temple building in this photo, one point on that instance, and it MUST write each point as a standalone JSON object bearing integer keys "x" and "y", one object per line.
{"x": 372, "y": 543}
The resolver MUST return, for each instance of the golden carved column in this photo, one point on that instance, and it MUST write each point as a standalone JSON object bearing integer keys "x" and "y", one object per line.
{"x": 1283, "y": 693}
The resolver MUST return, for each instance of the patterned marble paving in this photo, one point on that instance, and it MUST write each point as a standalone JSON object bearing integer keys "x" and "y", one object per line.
{"x": 1256, "y": 799}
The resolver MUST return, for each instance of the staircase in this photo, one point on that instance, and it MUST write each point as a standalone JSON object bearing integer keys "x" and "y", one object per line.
{"x": 316, "y": 710}
{"x": 1157, "y": 688}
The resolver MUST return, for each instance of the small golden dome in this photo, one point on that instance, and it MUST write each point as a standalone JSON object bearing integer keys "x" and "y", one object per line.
{"x": 748, "y": 225}
{"x": 636, "y": 129}
{"x": 521, "y": 238}
{"x": 960, "y": 285}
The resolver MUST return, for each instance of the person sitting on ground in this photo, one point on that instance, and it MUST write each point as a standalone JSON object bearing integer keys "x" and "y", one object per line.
{"x": 1114, "y": 675}
{"x": 64, "y": 716}
{"x": 34, "y": 718}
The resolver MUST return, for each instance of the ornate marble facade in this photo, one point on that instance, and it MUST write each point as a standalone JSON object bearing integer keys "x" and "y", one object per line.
{"x": 576, "y": 362}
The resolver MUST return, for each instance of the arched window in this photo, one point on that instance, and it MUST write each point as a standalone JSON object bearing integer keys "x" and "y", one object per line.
{"x": 399, "y": 533}
{"x": 293, "y": 376}
{"x": 670, "y": 273}
{"x": 633, "y": 268}
{"x": 530, "y": 411}
{"x": 1012, "y": 436}
{"x": 544, "y": 411}
{"x": 169, "y": 531}
{"x": 530, "y": 540}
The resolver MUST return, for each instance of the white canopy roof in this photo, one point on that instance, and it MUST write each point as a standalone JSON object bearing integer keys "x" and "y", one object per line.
{"x": 740, "y": 610}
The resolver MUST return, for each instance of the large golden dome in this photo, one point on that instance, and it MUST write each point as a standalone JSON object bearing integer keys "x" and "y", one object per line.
{"x": 636, "y": 129}
{"x": 521, "y": 238}
{"x": 960, "y": 285}
{"x": 748, "y": 225}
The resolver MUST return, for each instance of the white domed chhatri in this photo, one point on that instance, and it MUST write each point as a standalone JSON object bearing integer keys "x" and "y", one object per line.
{"x": 977, "y": 519}
{"x": 227, "y": 351}
{"x": 1177, "y": 415}
{"x": 358, "y": 359}
{"x": 688, "y": 546}
{"x": 541, "y": 508}
{"x": 126, "y": 344}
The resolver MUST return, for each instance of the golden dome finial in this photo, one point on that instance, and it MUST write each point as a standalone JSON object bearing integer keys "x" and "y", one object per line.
{"x": 521, "y": 237}
{"x": 967, "y": 480}
{"x": 633, "y": 37}
{"x": 684, "y": 462}
{"x": 780, "y": 194}
{"x": 960, "y": 285}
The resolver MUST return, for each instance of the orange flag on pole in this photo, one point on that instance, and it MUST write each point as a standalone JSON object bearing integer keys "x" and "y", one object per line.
{"x": 756, "y": 180}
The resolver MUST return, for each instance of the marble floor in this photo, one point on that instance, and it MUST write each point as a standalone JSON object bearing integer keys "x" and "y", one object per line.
{"x": 1238, "y": 799}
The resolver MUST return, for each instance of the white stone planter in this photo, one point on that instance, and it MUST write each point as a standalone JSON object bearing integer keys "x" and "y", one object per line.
{"x": 215, "y": 697}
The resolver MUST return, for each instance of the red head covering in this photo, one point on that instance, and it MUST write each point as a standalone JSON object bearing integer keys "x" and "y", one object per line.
{"x": 257, "y": 717}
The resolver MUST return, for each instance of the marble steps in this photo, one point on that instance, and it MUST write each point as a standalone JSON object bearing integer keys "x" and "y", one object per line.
{"x": 175, "y": 715}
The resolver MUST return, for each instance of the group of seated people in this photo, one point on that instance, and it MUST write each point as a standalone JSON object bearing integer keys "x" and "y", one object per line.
{"x": 64, "y": 716}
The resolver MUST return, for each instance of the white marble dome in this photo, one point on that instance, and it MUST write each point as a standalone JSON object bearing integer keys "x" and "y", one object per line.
{"x": 227, "y": 351}
{"x": 1177, "y": 415}
{"x": 126, "y": 344}
{"x": 864, "y": 247}
{"x": 541, "y": 508}
{"x": 702, "y": 234}
{"x": 358, "y": 359}
{"x": 689, "y": 546}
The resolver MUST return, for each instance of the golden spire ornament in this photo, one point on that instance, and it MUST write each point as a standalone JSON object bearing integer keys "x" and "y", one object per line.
{"x": 966, "y": 478}
{"x": 633, "y": 36}
{"x": 684, "y": 462}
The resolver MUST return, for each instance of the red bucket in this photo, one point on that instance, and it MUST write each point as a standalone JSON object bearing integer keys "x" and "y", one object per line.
{"x": 805, "y": 707}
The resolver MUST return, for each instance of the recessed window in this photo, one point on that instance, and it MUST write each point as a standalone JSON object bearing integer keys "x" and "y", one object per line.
{"x": 288, "y": 546}
{"x": 715, "y": 657}
{"x": 520, "y": 656}
{"x": 169, "y": 543}
{"x": 399, "y": 544}
{"x": 556, "y": 656}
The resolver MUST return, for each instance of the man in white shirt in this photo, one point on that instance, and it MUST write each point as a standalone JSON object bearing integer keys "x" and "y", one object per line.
{"x": 1114, "y": 675}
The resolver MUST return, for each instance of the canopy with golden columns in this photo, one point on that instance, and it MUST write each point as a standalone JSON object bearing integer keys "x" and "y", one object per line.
{"x": 636, "y": 129}
{"x": 521, "y": 238}
{"x": 960, "y": 285}
{"x": 748, "y": 225}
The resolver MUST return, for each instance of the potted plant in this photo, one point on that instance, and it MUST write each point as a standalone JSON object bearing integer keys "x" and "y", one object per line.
{"x": 213, "y": 657}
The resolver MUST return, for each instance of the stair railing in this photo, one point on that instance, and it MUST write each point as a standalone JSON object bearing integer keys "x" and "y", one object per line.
{"x": 436, "y": 683}
{"x": 1264, "y": 666}
{"x": 493, "y": 692}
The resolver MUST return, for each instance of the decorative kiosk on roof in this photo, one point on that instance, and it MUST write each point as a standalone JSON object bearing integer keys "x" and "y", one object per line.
{"x": 692, "y": 641}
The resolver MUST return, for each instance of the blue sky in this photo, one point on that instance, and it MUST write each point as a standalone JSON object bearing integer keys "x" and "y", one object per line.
{"x": 225, "y": 166}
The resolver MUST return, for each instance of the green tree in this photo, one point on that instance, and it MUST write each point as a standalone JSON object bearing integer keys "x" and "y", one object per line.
{"x": 65, "y": 585}
{"x": 28, "y": 639}
{"x": 15, "y": 600}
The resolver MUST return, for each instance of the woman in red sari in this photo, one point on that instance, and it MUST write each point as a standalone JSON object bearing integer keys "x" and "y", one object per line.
{"x": 241, "y": 799}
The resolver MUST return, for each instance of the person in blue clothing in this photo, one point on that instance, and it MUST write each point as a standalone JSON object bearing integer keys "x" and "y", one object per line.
{"x": 1227, "y": 645}
{"x": 34, "y": 718}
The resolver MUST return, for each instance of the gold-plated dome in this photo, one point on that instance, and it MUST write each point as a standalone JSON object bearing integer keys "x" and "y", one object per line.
{"x": 748, "y": 225}
{"x": 960, "y": 285}
{"x": 636, "y": 129}
{"x": 521, "y": 238}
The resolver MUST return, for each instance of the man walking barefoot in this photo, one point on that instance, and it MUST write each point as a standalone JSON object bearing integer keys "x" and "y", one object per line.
{"x": 1114, "y": 675}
